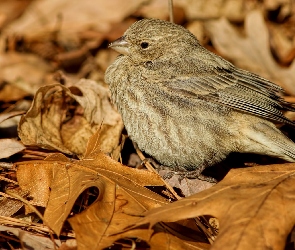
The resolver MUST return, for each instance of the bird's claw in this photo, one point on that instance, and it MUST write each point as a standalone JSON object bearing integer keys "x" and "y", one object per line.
{"x": 195, "y": 174}
{"x": 180, "y": 171}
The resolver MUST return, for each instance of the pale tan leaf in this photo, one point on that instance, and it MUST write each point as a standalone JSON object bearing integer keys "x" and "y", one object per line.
{"x": 9, "y": 147}
{"x": 187, "y": 186}
{"x": 5, "y": 116}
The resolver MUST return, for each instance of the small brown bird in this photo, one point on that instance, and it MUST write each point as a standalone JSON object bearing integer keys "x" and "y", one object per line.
{"x": 189, "y": 108}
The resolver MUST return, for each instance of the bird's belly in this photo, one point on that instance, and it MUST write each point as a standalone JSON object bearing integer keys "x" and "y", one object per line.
{"x": 176, "y": 138}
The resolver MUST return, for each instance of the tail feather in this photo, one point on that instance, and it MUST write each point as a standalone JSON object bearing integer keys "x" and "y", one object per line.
{"x": 271, "y": 141}
{"x": 288, "y": 149}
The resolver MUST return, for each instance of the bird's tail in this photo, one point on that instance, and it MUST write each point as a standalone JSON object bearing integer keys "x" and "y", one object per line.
{"x": 272, "y": 142}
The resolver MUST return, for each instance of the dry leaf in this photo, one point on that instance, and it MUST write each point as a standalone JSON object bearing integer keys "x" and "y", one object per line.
{"x": 283, "y": 7}
{"x": 251, "y": 51}
{"x": 122, "y": 198}
{"x": 282, "y": 42}
{"x": 24, "y": 74}
{"x": 187, "y": 186}
{"x": 75, "y": 16}
{"x": 197, "y": 28}
{"x": 255, "y": 207}
{"x": 65, "y": 32}
{"x": 211, "y": 9}
{"x": 9, "y": 206}
{"x": 9, "y": 147}
{"x": 159, "y": 9}
{"x": 31, "y": 241}
{"x": 121, "y": 192}
{"x": 11, "y": 9}
{"x": 64, "y": 118}
{"x": 36, "y": 181}
{"x": 5, "y": 116}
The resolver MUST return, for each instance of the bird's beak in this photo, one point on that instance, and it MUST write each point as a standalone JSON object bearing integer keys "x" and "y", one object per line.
{"x": 120, "y": 45}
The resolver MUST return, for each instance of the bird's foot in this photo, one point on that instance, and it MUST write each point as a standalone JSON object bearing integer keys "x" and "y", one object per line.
{"x": 180, "y": 171}
{"x": 184, "y": 173}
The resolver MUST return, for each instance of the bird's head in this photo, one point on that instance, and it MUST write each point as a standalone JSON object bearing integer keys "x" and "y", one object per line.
{"x": 149, "y": 39}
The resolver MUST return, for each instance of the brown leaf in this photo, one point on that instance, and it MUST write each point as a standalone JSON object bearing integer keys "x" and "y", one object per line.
{"x": 212, "y": 9}
{"x": 75, "y": 16}
{"x": 255, "y": 207}
{"x": 284, "y": 8}
{"x": 36, "y": 181}
{"x": 198, "y": 29}
{"x": 122, "y": 199}
{"x": 68, "y": 179}
{"x": 24, "y": 74}
{"x": 187, "y": 186}
{"x": 251, "y": 51}
{"x": 159, "y": 9}
{"x": 8, "y": 205}
{"x": 282, "y": 42}
{"x": 10, "y": 10}
{"x": 64, "y": 118}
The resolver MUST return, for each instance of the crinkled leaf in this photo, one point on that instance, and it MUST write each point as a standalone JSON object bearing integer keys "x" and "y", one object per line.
{"x": 255, "y": 207}
{"x": 64, "y": 118}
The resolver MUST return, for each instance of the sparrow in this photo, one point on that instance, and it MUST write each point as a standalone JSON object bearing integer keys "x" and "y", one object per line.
{"x": 189, "y": 108}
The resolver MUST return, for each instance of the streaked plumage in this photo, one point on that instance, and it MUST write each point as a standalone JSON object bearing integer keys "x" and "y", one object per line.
{"x": 188, "y": 107}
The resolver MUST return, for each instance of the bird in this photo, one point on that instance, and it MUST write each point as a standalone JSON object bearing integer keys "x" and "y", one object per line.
{"x": 189, "y": 108}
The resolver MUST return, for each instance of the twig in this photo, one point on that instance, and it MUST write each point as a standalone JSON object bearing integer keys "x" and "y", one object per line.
{"x": 6, "y": 165}
{"x": 150, "y": 168}
{"x": 36, "y": 212}
{"x": 171, "y": 15}
{"x": 8, "y": 180}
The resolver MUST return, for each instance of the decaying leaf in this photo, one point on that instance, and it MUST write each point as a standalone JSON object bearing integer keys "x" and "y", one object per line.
{"x": 255, "y": 207}
{"x": 9, "y": 205}
{"x": 187, "y": 186}
{"x": 122, "y": 199}
{"x": 32, "y": 241}
{"x": 252, "y": 51}
{"x": 64, "y": 118}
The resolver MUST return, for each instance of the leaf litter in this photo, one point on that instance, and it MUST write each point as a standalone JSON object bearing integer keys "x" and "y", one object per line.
{"x": 88, "y": 198}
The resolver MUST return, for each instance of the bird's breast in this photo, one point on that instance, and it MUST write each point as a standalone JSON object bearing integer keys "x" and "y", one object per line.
{"x": 176, "y": 131}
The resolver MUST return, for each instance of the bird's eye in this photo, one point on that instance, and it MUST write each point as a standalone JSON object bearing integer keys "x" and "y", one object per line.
{"x": 144, "y": 45}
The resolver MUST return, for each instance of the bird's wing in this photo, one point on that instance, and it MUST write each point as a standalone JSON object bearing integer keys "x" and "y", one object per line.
{"x": 237, "y": 89}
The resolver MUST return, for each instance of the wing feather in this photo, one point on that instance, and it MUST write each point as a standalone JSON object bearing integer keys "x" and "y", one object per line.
{"x": 236, "y": 89}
